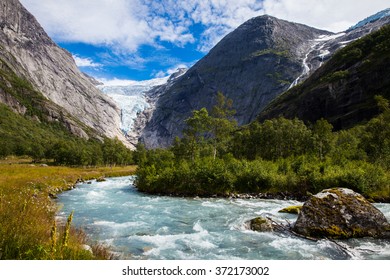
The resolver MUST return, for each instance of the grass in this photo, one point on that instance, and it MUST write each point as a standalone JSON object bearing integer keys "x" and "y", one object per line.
{"x": 28, "y": 229}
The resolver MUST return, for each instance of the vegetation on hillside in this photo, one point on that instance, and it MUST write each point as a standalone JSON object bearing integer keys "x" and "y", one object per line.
{"x": 276, "y": 156}
{"x": 343, "y": 89}
{"x": 21, "y": 136}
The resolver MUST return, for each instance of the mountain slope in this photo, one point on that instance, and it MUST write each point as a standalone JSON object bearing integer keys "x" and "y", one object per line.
{"x": 342, "y": 90}
{"x": 251, "y": 65}
{"x": 29, "y": 52}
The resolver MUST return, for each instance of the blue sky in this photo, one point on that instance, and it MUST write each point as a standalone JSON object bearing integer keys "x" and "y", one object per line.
{"x": 145, "y": 39}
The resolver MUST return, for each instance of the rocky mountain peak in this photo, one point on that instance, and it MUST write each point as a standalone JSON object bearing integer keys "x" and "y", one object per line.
{"x": 53, "y": 72}
{"x": 22, "y": 25}
{"x": 251, "y": 65}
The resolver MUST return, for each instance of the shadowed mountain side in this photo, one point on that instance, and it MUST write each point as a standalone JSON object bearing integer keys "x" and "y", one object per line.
{"x": 342, "y": 90}
{"x": 251, "y": 66}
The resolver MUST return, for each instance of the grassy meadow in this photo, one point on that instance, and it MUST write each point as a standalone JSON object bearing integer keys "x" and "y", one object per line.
{"x": 28, "y": 229}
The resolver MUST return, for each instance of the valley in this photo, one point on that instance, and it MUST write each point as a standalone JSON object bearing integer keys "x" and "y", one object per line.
{"x": 273, "y": 113}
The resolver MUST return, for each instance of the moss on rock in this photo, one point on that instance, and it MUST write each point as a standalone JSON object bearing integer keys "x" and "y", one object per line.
{"x": 260, "y": 224}
{"x": 294, "y": 209}
{"x": 341, "y": 213}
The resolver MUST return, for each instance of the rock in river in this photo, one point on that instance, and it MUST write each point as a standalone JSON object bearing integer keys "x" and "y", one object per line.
{"x": 341, "y": 213}
{"x": 260, "y": 224}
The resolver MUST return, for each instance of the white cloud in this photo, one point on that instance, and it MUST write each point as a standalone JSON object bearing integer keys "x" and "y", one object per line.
{"x": 85, "y": 62}
{"x": 333, "y": 15}
{"x": 170, "y": 71}
{"x": 124, "y": 82}
{"x": 125, "y": 25}
{"x": 116, "y": 82}
{"x": 120, "y": 24}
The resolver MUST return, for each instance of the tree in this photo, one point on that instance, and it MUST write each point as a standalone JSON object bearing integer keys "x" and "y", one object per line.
{"x": 197, "y": 127}
{"x": 376, "y": 141}
{"x": 140, "y": 154}
{"x": 323, "y": 138}
{"x": 222, "y": 123}
{"x": 273, "y": 139}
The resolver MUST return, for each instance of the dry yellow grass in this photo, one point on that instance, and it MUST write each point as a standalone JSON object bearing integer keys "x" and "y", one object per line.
{"x": 27, "y": 212}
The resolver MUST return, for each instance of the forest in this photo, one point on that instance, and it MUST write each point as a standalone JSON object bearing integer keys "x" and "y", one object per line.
{"x": 283, "y": 156}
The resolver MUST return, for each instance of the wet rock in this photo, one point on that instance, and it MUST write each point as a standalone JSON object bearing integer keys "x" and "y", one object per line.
{"x": 100, "y": 179}
{"x": 53, "y": 195}
{"x": 341, "y": 213}
{"x": 260, "y": 224}
{"x": 294, "y": 209}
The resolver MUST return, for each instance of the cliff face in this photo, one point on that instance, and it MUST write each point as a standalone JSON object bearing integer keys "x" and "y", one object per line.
{"x": 252, "y": 65}
{"x": 29, "y": 52}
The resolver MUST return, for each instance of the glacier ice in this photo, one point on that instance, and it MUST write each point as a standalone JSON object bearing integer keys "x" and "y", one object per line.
{"x": 377, "y": 16}
{"x": 130, "y": 97}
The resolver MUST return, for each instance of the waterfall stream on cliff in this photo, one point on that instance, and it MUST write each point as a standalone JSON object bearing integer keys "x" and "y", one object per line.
{"x": 141, "y": 226}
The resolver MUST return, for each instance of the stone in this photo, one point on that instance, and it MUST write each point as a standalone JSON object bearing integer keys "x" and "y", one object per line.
{"x": 294, "y": 209}
{"x": 341, "y": 213}
{"x": 260, "y": 224}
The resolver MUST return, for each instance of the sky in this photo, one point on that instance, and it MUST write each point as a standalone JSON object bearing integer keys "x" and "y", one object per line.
{"x": 142, "y": 39}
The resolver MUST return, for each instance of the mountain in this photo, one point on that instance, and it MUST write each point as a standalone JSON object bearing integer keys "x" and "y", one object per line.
{"x": 66, "y": 95}
{"x": 342, "y": 90}
{"x": 251, "y": 65}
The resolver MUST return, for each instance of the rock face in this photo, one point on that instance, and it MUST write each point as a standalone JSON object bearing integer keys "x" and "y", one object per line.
{"x": 341, "y": 213}
{"x": 53, "y": 72}
{"x": 251, "y": 66}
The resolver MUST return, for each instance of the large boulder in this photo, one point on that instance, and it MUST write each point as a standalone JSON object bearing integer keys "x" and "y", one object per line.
{"x": 260, "y": 224}
{"x": 341, "y": 213}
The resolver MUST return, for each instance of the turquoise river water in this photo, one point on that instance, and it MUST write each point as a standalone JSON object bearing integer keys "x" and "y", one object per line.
{"x": 141, "y": 226}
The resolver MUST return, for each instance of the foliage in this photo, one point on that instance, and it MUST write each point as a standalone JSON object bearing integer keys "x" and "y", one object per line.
{"x": 22, "y": 136}
{"x": 278, "y": 155}
{"x": 273, "y": 139}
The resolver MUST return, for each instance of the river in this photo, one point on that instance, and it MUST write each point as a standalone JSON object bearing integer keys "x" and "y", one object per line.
{"x": 141, "y": 226}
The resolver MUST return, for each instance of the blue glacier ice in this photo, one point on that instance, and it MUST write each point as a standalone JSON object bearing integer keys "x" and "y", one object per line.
{"x": 131, "y": 98}
{"x": 377, "y": 16}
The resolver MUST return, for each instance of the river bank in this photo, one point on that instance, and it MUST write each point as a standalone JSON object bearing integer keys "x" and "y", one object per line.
{"x": 27, "y": 212}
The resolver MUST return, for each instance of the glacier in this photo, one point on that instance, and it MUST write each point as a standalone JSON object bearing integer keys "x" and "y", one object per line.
{"x": 372, "y": 18}
{"x": 131, "y": 97}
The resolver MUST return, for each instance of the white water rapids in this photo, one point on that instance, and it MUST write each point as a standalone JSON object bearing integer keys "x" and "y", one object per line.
{"x": 140, "y": 226}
